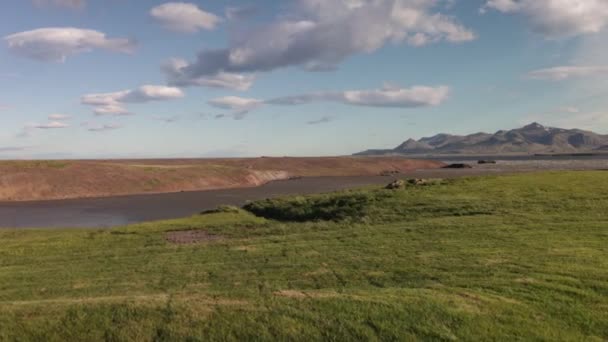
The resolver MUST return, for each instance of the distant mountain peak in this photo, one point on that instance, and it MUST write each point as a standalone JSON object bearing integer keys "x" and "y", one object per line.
{"x": 534, "y": 125}
{"x": 413, "y": 145}
{"x": 532, "y": 138}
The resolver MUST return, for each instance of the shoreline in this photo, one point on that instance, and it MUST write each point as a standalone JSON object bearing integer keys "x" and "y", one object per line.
{"x": 421, "y": 173}
{"x": 107, "y": 212}
{"x": 26, "y": 181}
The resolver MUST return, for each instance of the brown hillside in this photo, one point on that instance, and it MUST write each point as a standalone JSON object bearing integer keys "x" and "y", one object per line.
{"x": 44, "y": 180}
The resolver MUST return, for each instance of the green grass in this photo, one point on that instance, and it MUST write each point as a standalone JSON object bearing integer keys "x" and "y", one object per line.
{"x": 496, "y": 258}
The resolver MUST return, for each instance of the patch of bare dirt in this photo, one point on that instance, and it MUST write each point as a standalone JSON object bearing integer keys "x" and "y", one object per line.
{"x": 190, "y": 237}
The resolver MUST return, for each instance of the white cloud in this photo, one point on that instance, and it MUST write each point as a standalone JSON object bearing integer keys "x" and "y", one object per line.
{"x": 320, "y": 34}
{"x": 239, "y": 106}
{"x": 114, "y": 103}
{"x": 234, "y": 102}
{"x": 74, "y": 4}
{"x": 149, "y": 93}
{"x": 111, "y": 109}
{"x": 184, "y": 17}
{"x": 59, "y": 117}
{"x": 52, "y": 125}
{"x": 389, "y": 96}
{"x": 56, "y": 44}
{"x": 107, "y": 103}
{"x": 174, "y": 71}
{"x": 29, "y": 128}
{"x": 228, "y": 81}
{"x": 507, "y": 6}
{"x": 557, "y": 18}
{"x": 561, "y": 73}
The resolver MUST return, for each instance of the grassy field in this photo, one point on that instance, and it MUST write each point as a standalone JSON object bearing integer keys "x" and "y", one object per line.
{"x": 520, "y": 257}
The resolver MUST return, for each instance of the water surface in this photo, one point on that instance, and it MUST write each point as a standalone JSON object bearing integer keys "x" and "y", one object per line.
{"x": 116, "y": 211}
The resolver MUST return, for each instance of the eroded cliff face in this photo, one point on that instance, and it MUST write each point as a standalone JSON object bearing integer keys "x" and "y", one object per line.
{"x": 49, "y": 180}
{"x": 257, "y": 178}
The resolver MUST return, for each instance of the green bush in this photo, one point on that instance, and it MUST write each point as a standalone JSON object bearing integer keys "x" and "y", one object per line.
{"x": 223, "y": 209}
{"x": 334, "y": 207}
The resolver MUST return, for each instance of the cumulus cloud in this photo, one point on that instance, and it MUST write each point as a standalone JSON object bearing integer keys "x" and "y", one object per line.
{"x": 59, "y": 117}
{"x": 57, "y": 44}
{"x": 561, "y": 73}
{"x": 184, "y": 17}
{"x": 320, "y": 34}
{"x": 239, "y": 106}
{"x": 389, "y": 96}
{"x": 175, "y": 71}
{"x": 557, "y": 18}
{"x": 74, "y": 4}
{"x": 114, "y": 103}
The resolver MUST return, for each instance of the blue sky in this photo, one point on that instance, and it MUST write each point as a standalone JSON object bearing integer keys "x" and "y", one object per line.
{"x": 126, "y": 78}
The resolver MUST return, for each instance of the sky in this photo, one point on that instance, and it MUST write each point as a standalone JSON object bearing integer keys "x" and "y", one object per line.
{"x": 152, "y": 79}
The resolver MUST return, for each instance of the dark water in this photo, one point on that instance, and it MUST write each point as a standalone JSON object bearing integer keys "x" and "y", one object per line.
{"x": 115, "y": 211}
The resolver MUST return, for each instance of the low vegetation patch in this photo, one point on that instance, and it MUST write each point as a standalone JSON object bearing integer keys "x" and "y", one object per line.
{"x": 223, "y": 209}
{"x": 509, "y": 258}
{"x": 333, "y": 207}
{"x": 403, "y": 199}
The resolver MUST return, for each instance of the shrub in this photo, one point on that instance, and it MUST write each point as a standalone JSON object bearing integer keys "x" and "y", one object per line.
{"x": 223, "y": 209}
{"x": 332, "y": 207}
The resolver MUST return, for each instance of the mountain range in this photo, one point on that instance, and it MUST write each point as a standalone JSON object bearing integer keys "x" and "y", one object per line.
{"x": 531, "y": 139}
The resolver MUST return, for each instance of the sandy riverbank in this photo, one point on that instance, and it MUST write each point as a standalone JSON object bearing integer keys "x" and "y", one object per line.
{"x": 54, "y": 180}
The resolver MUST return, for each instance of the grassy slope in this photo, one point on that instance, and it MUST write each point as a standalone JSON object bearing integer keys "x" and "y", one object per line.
{"x": 518, "y": 257}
